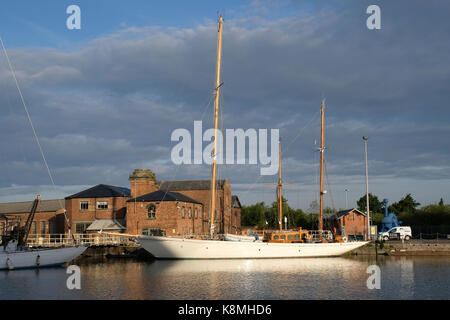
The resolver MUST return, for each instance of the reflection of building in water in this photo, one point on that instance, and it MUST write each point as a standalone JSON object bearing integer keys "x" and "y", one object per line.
{"x": 406, "y": 277}
{"x": 129, "y": 285}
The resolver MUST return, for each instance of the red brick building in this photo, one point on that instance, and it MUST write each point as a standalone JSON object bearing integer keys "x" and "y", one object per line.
{"x": 164, "y": 212}
{"x": 201, "y": 190}
{"x": 96, "y": 203}
{"x": 349, "y": 223}
{"x": 47, "y": 220}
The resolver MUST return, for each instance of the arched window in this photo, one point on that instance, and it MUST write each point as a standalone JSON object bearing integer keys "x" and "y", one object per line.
{"x": 151, "y": 211}
{"x": 196, "y": 213}
{"x": 182, "y": 212}
{"x": 189, "y": 213}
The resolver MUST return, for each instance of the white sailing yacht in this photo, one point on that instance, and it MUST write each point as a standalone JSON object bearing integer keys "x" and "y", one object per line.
{"x": 12, "y": 257}
{"x": 179, "y": 248}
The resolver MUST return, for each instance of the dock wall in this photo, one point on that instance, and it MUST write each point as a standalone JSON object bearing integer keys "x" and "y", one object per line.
{"x": 407, "y": 248}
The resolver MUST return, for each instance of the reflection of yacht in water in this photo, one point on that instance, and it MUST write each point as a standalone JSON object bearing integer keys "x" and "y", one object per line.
{"x": 280, "y": 245}
{"x": 296, "y": 266}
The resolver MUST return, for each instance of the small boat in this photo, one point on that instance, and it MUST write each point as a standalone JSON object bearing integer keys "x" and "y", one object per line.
{"x": 11, "y": 257}
{"x": 15, "y": 254}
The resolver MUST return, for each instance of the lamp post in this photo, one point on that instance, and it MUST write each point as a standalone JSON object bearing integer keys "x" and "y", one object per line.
{"x": 367, "y": 189}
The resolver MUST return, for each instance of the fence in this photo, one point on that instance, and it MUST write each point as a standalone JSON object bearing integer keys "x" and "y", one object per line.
{"x": 61, "y": 240}
{"x": 430, "y": 232}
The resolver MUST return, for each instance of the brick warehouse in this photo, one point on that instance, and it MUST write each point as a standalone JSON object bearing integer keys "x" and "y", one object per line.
{"x": 141, "y": 209}
{"x": 48, "y": 218}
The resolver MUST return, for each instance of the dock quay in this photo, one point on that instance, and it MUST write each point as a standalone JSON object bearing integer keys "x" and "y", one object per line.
{"x": 99, "y": 245}
{"x": 414, "y": 247}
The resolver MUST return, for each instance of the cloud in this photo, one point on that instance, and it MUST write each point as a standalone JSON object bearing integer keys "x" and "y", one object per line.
{"x": 110, "y": 107}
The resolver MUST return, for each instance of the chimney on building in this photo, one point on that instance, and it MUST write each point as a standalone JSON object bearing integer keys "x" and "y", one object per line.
{"x": 142, "y": 181}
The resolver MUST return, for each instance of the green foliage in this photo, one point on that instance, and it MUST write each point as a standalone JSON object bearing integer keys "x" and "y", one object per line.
{"x": 405, "y": 205}
{"x": 256, "y": 216}
{"x": 329, "y": 210}
{"x": 375, "y": 205}
{"x": 376, "y": 218}
{"x": 428, "y": 215}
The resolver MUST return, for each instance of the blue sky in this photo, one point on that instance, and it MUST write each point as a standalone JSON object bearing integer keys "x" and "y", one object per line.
{"x": 43, "y": 23}
{"x": 105, "y": 99}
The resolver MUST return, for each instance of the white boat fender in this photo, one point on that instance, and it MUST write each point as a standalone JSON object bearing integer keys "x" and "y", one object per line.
{"x": 38, "y": 260}
{"x": 9, "y": 264}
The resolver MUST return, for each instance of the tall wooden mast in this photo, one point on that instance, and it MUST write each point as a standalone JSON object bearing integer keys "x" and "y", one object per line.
{"x": 216, "y": 124}
{"x": 322, "y": 149}
{"x": 279, "y": 189}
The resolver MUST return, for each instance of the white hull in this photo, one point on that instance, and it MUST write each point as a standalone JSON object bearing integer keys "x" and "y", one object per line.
{"x": 175, "y": 248}
{"x": 235, "y": 237}
{"x": 38, "y": 258}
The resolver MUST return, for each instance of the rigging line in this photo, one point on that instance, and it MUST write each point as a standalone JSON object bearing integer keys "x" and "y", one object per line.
{"x": 302, "y": 129}
{"x": 34, "y": 131}
{"x": 28, "y": 116}
{"x": 211, "y": 96}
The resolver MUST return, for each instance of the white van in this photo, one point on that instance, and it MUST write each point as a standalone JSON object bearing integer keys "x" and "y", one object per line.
{"x": 405, "y": 233}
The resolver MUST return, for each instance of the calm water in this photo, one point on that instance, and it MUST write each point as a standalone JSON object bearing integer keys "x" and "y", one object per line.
{"x": 323, "y": 278}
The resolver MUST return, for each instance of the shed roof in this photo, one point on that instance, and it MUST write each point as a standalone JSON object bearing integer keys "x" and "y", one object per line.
{"x": 178, "y": 185}
{"x": 102, "y": 191}
{"x": 161, "y": 195}
{"x": 25, "y": 206}
{"x": 342, "y": 213}
{"x": 105, "y": 224}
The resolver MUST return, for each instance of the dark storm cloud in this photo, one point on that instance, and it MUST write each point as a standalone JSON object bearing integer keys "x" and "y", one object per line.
{"x": 111, "y": 107}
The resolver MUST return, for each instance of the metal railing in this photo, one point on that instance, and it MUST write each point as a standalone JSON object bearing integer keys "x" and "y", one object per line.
{"x": 93, "y": 239}
{"x": 317, "y": 235}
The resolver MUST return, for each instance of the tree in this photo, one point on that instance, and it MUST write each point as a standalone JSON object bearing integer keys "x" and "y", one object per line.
{"x": 375, "y": 205}
{"x": 254, "y": 215}
{"x": 441, "y": 202}
{"x": 405, "y": 205}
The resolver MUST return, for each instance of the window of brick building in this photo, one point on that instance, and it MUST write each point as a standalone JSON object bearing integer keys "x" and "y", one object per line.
{"x": 51, "y": 226}
{"x": 153, "y": 232}
{"x": 196, "y": 213}
{"x": 151, "y": 211}
{"x": 102, "y": 204}
{"x": 189, "y": 213}
{"x": 80, "y": 227}
{"x": 84, "y": 205}
{"x": 182, "y": 212}
{"x": 33, "y": 227}
{"x": 42, "y": 224}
